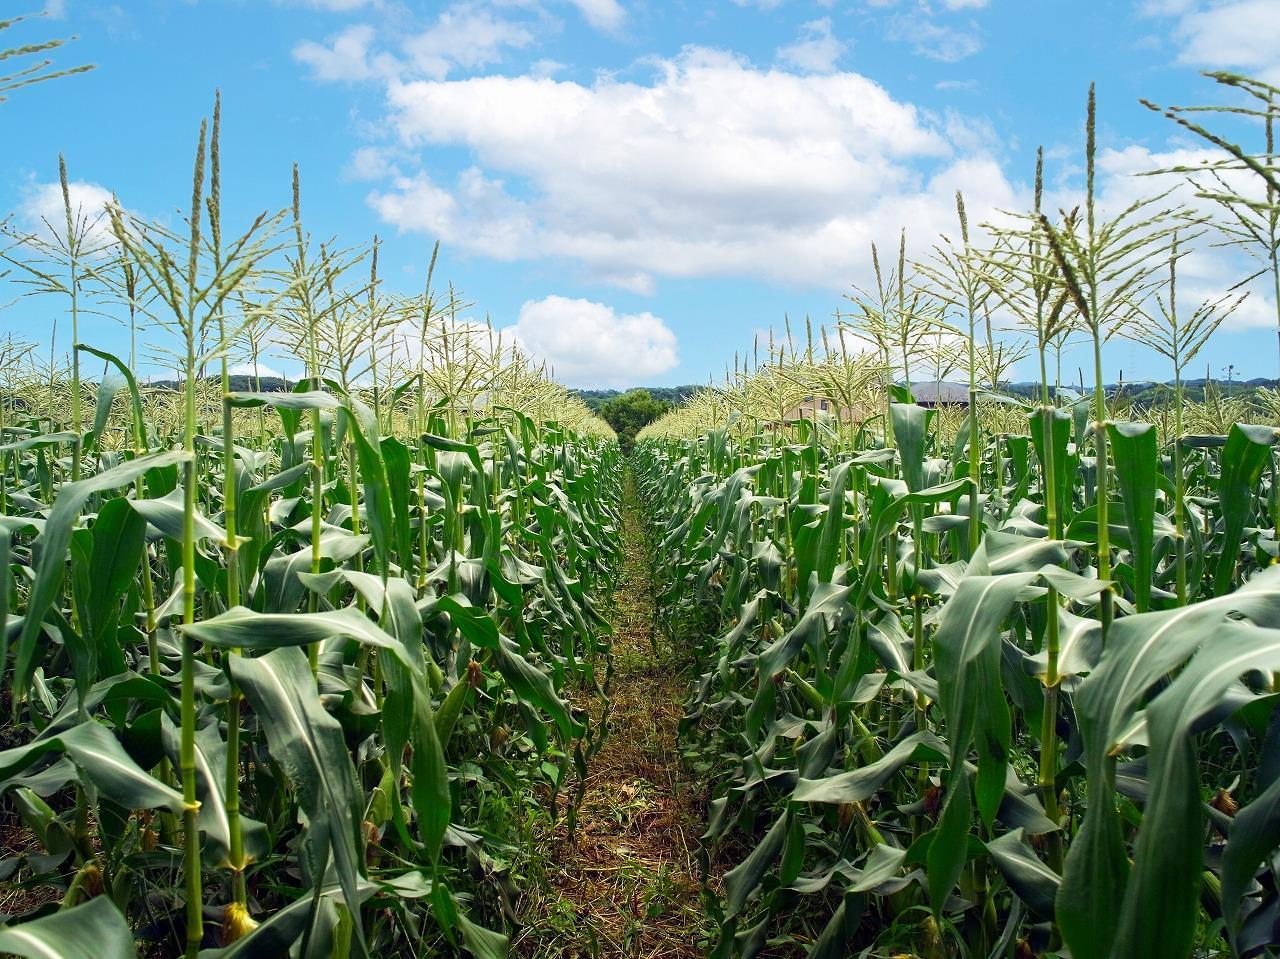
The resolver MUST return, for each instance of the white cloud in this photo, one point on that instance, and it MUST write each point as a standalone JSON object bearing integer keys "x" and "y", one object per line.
{"x": 937, "y": 41}
{"x": 247, "y": 369}
{"x": 590, "y": 344}
{"x": 816, "y": 49}
{"x": 343, "y": 57}
{"x": 1244, "y": 34}
{"x": 546, "y": 68}
{"x": 1238, "y": 34}
{"x": 55, "y": 9}
{"x": 465, "y": 35}
{"x": 712, "y": 168}
{"x": 477, "y": 214}
{"x": 333, "y": 6}
{"x": 1165, "y": 8}
{"x": 607, "y": 15}
{"x": 926, "y": 25}
{"x": 1126, "y": 175}
{"x": 43, "y": 211}
{"x": 925, "y": 8}
{"x": 634, "y": 282}
{"x": 372, "y": 163}
{"x": 1210, "y": 270}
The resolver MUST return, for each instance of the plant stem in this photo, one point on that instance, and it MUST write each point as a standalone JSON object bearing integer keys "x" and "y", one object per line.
{"x": 187, "y": 749}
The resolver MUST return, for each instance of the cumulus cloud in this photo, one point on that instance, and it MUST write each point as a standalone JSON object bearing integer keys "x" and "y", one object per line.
{"x": 591, "y": 344}
{"x": 607, "y": 15}
{"x": 465, "y": 36}
{"x": 1210, "y": 271}
{"x": 1125, "y": 178}
{"x": 372, "y": 163}
{"x": 42, "y": 210}
{"x": 816, "y": 49}
{"x": 1237, "y": 34}
{"x": 261, "y": 370}
{"x": 714, "y": 167}
{"x": 345, "y": 56}
{"x": 477, "y": 214}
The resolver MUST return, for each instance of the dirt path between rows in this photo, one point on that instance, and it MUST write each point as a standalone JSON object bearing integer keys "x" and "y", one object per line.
{"x": 627, "y": 886}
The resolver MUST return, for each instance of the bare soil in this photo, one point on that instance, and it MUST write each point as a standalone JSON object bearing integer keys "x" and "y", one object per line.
{"x": 626, "y": 884}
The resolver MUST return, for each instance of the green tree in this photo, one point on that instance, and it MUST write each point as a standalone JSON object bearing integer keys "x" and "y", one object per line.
{"x": 631, "y": 412}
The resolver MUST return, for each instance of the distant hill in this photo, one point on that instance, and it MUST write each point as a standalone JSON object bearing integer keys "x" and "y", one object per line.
{"x": 1148, "y": 390}
{"x": 239, "y": 384}
{"x": 1139, "y": 391}
{"x": 676, "y": 395}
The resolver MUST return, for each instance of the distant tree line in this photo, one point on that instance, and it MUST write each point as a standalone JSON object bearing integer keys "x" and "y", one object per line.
{"x": 675, "y": 395}
{"x": 1147, "y": 391}
{"x": 630, "y": 412}
{"x": 239, "y": 383}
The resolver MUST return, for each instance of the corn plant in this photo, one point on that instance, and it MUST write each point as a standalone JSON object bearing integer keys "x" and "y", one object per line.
{"x": 287, "y": 672}
{"x": 1051, "y": 740}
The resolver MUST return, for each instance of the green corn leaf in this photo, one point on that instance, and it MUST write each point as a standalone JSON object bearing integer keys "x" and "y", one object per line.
{"x": 834, "y": 522}
{"x": 301, "y": 400}
{"x": 94, "y": 930}
{"x": 1033, "y": 882}
{"x": 211, "y": 786}
{"x": 273, "y": 938}
{"x": 967, "y": 651}
{"x": 102, "y": 762}
{"x": 108, "y": 387}
{"x": 118, "y": 539}
{"x": 1134, "y": 451}
{"x": 1244, "y": 458}
{"x": 911, "y": 433}
{"x": 1168, "y": 856}
{"x": 282, "y": 586}
{"x": 165, "y": 515}
{"x": 396, "y": 462}
{"x": 135, "y": 395}
{"x": 1141, "y": 650}
{"x": 1064, "y": 463}
{"x": 860, "y": 784}
{"x": 307, "y": 743}
{"x": 51, "y": 565}
{"x": 534, "y": 687}
{"x": 744, "y": 878}
{"x": 1255, "y": 832}
{"x": 241, "y": 628}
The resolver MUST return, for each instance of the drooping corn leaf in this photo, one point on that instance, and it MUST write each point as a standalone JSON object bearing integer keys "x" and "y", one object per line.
{"x": 93, "y": 930}
{"x": 308, "y": 744}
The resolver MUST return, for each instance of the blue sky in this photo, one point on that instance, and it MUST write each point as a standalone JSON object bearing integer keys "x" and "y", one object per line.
{"x": 634, "y": 188}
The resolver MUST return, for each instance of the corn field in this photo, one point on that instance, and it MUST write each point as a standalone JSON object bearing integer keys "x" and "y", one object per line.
{"x": 308, "y": 672}
{"x": 286, "y": 670}
{"x": 995, "y": 679}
